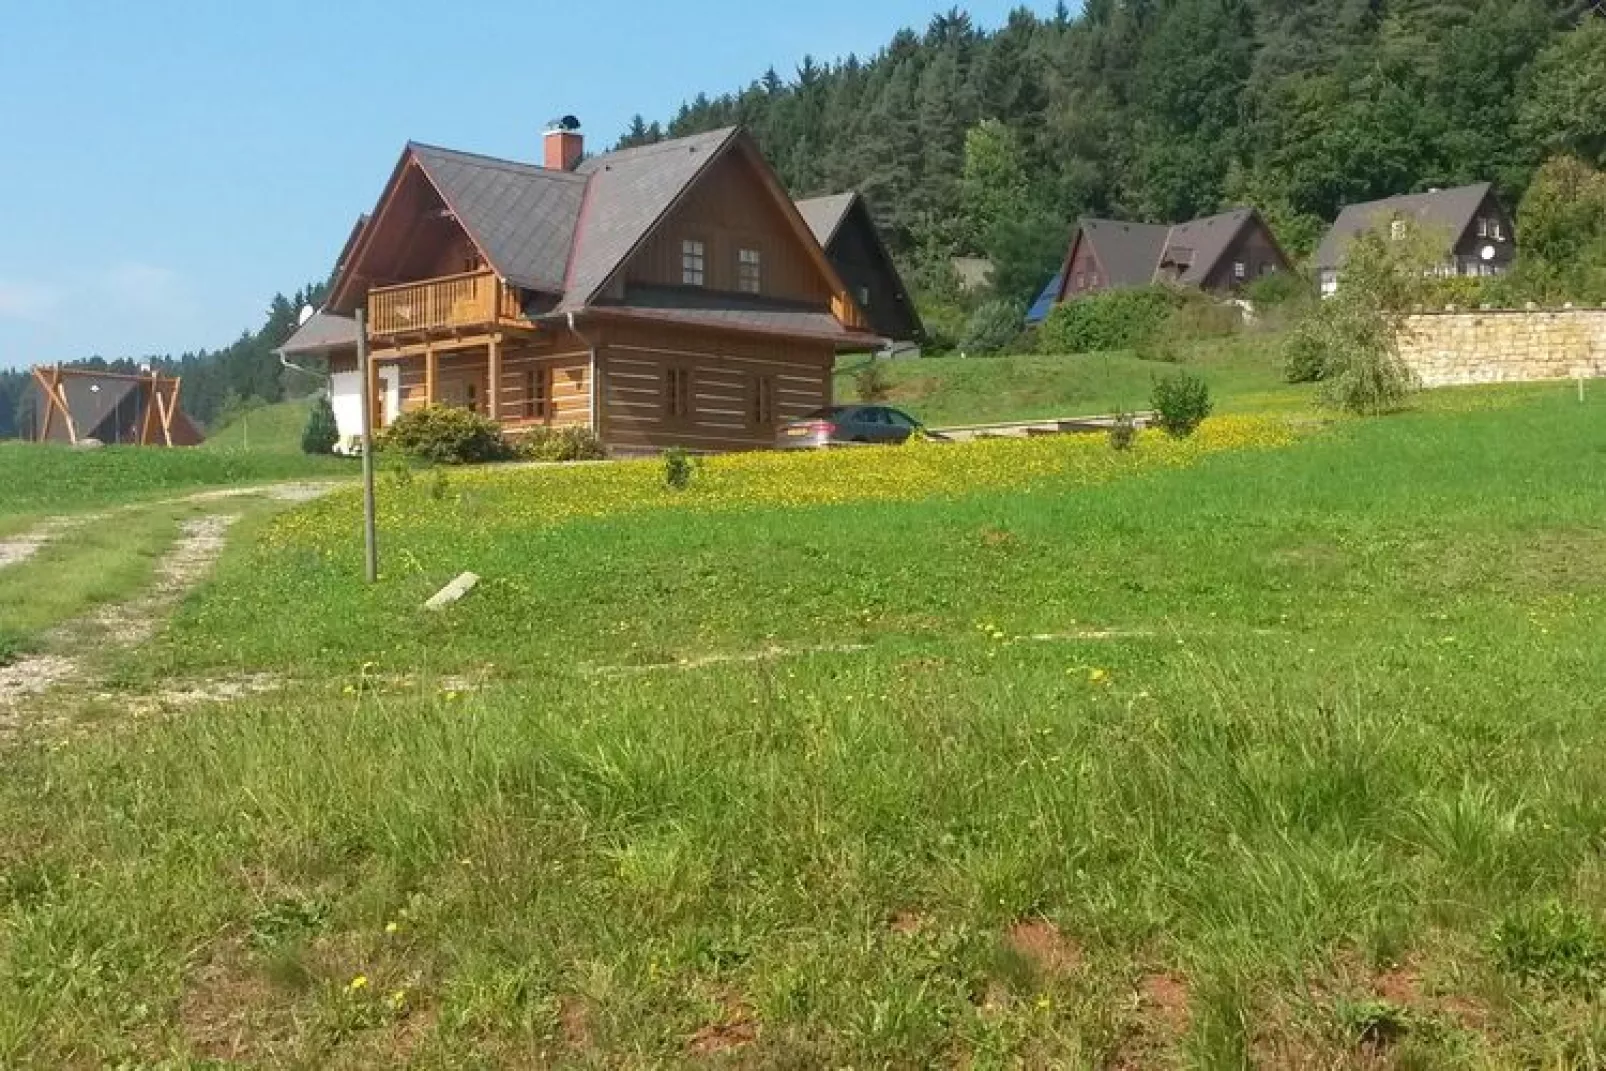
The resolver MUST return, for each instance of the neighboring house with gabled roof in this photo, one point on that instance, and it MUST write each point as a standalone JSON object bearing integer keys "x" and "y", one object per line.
{"x": 667, "y": 295}
{"x": 1219, "y": 253}
{"x": 845, "y": 229}
{"x": 1476, "y": 232}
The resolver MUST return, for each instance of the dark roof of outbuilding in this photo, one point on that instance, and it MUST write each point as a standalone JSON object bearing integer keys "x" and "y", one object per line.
{"x": 324, "y": 332}
{"x": 1448, "y": 210}
{"x": 521, "y": 216}
{"x": 825, "y": 215}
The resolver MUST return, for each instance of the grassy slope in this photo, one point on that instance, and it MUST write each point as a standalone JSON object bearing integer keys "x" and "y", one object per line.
{"x": 1242, "y": 372}
{"x": 272, "y": 429}
{"x": 1349, "y": 720}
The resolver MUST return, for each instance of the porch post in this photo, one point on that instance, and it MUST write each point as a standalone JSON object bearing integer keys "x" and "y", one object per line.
{"x": 493, "y": 390}
{"x": 431, "y": 370}
{"x": 376, "y": 404}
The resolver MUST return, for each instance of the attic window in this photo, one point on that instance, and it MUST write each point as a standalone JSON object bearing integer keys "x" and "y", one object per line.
{"x": 1483, "y": 227}
{"x": 750, "y": 271}
{"x": 693, "y": 262}
{"x": 1240, "y": 270}
{"x": 864, "y": 297}
{"x": 1497, "y": 229}
{"x": 1397, "y": 230}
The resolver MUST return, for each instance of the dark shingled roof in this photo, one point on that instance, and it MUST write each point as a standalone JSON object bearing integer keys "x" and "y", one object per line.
{"x": 521, "y": 216}
{"x": 1128, "y": 252}
{"x": 1201, "y": 243}
{"x": 1442, "y": 210}
{"x": 824, "y": 215}
{"x": 630, "y": 191}
{"x": 324, "y": 332}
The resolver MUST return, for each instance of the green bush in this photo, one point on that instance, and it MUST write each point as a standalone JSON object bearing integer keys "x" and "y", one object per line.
{"x": 993, "y": 328}
{"x": 1278, "y": 289}
{"x": 945, "y": 325}
{"x": 321, "y": 433}
{"x": 446, "y": 435}
{"x": 871, "y": 384}
{"x": 560, "y": 444}
{"x": 1115, "y": 320}
{"x": 1181, "y": 403}
{"x": 679, "y": 468}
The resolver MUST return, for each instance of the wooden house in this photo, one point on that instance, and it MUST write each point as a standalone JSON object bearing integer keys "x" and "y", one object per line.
{"x": 845, "y": 229}
{"x": 1476, "y": 233}
{"x": 1220, "y": 254}
{"x": 668, "y": 295}
{"x": 81, "y": 405}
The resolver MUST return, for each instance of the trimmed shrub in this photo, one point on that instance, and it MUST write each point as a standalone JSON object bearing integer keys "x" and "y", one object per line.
{"x": 1115, "y": 320}
{"x": 560, "y": 444}
{"x": 993, "y": 328}
{"x": 1181, "y": 403}
{"x": 321, "y": 433}
{"x": 446, "y": 435}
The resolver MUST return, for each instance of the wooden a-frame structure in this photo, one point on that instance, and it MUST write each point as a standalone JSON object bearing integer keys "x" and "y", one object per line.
{"x": 78, "y": 404}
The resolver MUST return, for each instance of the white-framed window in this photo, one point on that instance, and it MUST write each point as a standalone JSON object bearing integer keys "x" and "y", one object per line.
{"x": 864, "y": 297}
{"x": 750, "y": 271}
{"x": 1498, "y": 230}
{"x": 1081, "y": 280}
{"x": 1240, "y": 270}
{"x": 693, "y": 262}
{"x": 1483, "y": 227}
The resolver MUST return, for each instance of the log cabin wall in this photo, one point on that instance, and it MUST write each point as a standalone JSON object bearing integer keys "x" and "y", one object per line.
{"x": 728, "y": 212}
{"x": 706, "y": 390}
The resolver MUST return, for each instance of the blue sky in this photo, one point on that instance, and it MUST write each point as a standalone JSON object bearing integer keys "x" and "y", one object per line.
{"x": 168, "y": 165}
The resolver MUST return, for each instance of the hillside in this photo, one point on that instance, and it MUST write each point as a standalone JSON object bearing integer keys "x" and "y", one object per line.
{"x": 970, "y": 141}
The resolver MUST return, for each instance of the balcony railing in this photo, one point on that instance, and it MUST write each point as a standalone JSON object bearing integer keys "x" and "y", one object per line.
{"x": 451, "y": 303}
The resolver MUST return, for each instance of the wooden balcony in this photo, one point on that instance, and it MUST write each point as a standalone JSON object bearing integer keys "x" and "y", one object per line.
{"x": 451, "y": 305}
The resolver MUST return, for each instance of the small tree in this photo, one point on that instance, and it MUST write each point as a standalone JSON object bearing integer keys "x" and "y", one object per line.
{"x": 1181, "y": 403}
{"x": 321, "y": 433}
{"x": 993, "y": 328}
{"x": 871, "y": 383}
{"x": 1349, "y": 343}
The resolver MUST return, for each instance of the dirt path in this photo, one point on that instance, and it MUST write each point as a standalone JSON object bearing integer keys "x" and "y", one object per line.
{"x": 122, "y": 625}
{"x": 14, "y": 550}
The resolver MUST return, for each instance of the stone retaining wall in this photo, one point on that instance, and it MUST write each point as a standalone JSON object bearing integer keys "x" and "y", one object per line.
{"x": 1504, "y": 346}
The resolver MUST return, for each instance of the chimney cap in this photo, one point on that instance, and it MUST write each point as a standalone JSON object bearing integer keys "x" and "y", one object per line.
{"x": 568, "y": 124}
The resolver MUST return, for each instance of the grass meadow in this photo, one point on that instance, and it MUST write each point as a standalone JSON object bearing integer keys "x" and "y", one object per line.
{"x": 1243, "y": 373}
{"x": 1282, "y": 747}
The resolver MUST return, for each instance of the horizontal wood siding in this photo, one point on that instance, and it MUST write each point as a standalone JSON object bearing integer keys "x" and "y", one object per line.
{"x": 724, "y": 370}
{"x": 569, "y": 383}
{"x": 729, "y": 211}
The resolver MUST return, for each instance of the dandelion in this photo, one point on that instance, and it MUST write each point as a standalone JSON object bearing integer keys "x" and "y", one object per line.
{"x": 357, "y": 984}
{"x": 392, "y": 928}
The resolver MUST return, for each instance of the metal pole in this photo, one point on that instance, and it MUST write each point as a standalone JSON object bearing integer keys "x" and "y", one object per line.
{"x": 370, "y": 531}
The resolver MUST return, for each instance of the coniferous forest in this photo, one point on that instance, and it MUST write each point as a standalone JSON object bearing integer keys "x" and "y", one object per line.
{"x": 991, "y": 142}
{"x": 978, "y": 143}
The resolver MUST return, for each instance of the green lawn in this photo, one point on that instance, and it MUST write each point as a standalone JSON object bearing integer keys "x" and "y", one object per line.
{"x": 38, "y": 480}
{"x": 1287, "y": 752}
{"x": 1244, "y": 374}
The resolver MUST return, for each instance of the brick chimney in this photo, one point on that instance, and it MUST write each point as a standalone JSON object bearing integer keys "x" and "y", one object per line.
{"x": 565, "y": 147}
